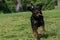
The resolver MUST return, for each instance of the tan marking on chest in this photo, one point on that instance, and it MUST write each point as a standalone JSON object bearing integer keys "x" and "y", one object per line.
{"x": 38, "y": 14}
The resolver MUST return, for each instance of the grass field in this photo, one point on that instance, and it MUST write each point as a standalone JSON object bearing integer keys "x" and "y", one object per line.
{"x": 16, "y": 26}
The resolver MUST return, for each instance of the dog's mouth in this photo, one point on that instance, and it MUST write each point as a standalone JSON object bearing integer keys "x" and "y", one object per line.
{"x": 38, "y": 14}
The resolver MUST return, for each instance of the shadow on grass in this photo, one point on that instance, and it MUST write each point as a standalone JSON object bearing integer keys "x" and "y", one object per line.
{"x": 49, "y": 34}
{"x": 42, "y": 36}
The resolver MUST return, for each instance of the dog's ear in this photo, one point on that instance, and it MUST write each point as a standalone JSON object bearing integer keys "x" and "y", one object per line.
{"x": 40, "y": 5}
{"x": 30, "y": 7}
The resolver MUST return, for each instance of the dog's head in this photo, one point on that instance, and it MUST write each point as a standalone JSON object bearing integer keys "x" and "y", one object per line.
{"x": 35, "y": 8}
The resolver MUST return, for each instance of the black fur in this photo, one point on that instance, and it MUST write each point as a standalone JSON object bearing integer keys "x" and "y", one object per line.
{"x": 37, "y": 17}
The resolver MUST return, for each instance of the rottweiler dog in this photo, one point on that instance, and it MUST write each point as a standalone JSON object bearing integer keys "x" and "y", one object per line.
{"x": 36, "y": 18}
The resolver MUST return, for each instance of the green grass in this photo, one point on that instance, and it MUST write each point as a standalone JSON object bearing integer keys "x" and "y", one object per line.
{"x": 16, "y": 26}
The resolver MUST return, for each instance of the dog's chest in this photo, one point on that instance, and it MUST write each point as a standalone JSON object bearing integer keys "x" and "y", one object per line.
{"x": 37, "y": 16}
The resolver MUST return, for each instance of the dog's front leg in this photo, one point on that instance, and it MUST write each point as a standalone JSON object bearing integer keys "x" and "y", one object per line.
{"x": 35, "y": 33}
{"x": 43, "y": 30}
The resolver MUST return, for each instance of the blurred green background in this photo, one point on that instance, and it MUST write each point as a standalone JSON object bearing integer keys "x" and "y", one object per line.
{"x": 10, "y": 5}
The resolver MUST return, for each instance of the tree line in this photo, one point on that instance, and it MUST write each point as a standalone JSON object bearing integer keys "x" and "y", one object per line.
{"x": 21, "y": 5}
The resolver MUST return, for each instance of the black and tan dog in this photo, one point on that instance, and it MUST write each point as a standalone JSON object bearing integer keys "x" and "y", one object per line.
{"x": 36, "y": 19}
